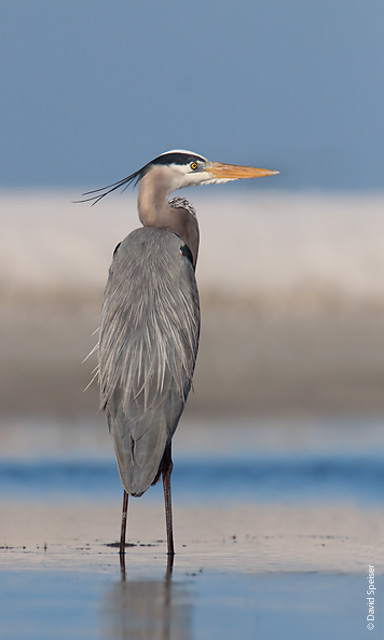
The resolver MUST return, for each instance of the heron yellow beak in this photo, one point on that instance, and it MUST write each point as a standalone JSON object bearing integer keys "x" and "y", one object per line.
{"x": 235, "y": 172}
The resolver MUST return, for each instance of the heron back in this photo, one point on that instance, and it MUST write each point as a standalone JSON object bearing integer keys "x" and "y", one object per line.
{"x": 149, "y": 335}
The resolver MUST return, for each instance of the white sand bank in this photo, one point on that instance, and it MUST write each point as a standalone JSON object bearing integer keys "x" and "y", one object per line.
{"x": 285, "y": 250}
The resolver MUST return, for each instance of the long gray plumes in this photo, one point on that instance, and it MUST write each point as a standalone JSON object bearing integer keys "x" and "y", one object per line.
{"x": 149, "y": 335}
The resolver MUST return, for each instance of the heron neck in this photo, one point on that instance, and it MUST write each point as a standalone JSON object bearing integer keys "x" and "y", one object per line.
{"x": 155, "y": 211}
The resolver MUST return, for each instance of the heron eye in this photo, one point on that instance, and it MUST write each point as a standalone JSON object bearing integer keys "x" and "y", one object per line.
{"x": 194, "y": 165}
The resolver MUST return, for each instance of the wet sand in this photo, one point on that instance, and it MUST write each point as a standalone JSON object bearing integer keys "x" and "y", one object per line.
{"x": 258, "y": 570}
{"x": 262, "y": 570}
{"x": 245, "y": 538}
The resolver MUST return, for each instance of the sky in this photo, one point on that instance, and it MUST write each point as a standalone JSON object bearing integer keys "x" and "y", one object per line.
{"x": 91, "y": 90}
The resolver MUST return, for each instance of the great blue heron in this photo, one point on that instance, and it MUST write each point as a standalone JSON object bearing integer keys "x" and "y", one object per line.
{"x": 150, "y": 321}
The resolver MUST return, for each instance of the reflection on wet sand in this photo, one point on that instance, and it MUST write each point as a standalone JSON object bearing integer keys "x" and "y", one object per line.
{"x": 168, "y": 571}
{"x": 140, "y": 609}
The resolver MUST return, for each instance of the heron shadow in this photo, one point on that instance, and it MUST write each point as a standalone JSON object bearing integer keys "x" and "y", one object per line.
{"x": 147, "y": 608}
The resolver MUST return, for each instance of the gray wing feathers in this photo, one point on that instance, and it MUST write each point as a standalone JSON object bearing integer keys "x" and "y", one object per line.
{"x": 148, "y": 343}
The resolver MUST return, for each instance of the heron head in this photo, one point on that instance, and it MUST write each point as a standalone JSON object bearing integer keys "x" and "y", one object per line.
{"x": 178, "y": 169}
{"x": 188, "y": 169}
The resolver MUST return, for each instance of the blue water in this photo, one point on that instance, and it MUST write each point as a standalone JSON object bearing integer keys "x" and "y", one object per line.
{"x": 42, "y": 605}
{"x": 268, "y": 478}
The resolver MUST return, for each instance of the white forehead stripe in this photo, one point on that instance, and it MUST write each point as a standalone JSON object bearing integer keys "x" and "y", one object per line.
{"x": 189, "y": 153}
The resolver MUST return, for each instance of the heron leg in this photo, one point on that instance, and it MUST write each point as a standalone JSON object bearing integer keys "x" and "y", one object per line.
{"x": 166, "y": 470}
{"x": 123, "y": 524}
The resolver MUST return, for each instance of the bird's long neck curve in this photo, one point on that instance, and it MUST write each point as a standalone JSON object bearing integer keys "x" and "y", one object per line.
{"x": 155, "y": 211}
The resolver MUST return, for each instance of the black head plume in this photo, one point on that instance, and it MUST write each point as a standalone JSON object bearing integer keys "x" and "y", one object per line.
{"x": 167, "y": 158}
{"x": 104, "y": 191}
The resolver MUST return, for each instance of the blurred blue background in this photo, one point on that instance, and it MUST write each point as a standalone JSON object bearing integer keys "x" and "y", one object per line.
{"x": 92, "y": 90}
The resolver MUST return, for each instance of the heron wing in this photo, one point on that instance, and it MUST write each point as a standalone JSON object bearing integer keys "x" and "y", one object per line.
{"x": 149, "y": 335}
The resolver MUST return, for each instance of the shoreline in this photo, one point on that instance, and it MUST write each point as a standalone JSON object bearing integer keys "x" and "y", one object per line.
{"x": 249, "y": 538}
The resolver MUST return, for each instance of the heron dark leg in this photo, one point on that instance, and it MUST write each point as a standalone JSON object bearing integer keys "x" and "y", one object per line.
{"x": 123, "y": 524}
{"x": 166, "y": 471}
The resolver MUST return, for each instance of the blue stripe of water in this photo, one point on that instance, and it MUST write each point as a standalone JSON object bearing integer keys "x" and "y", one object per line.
{"x": 266, "y": 478}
